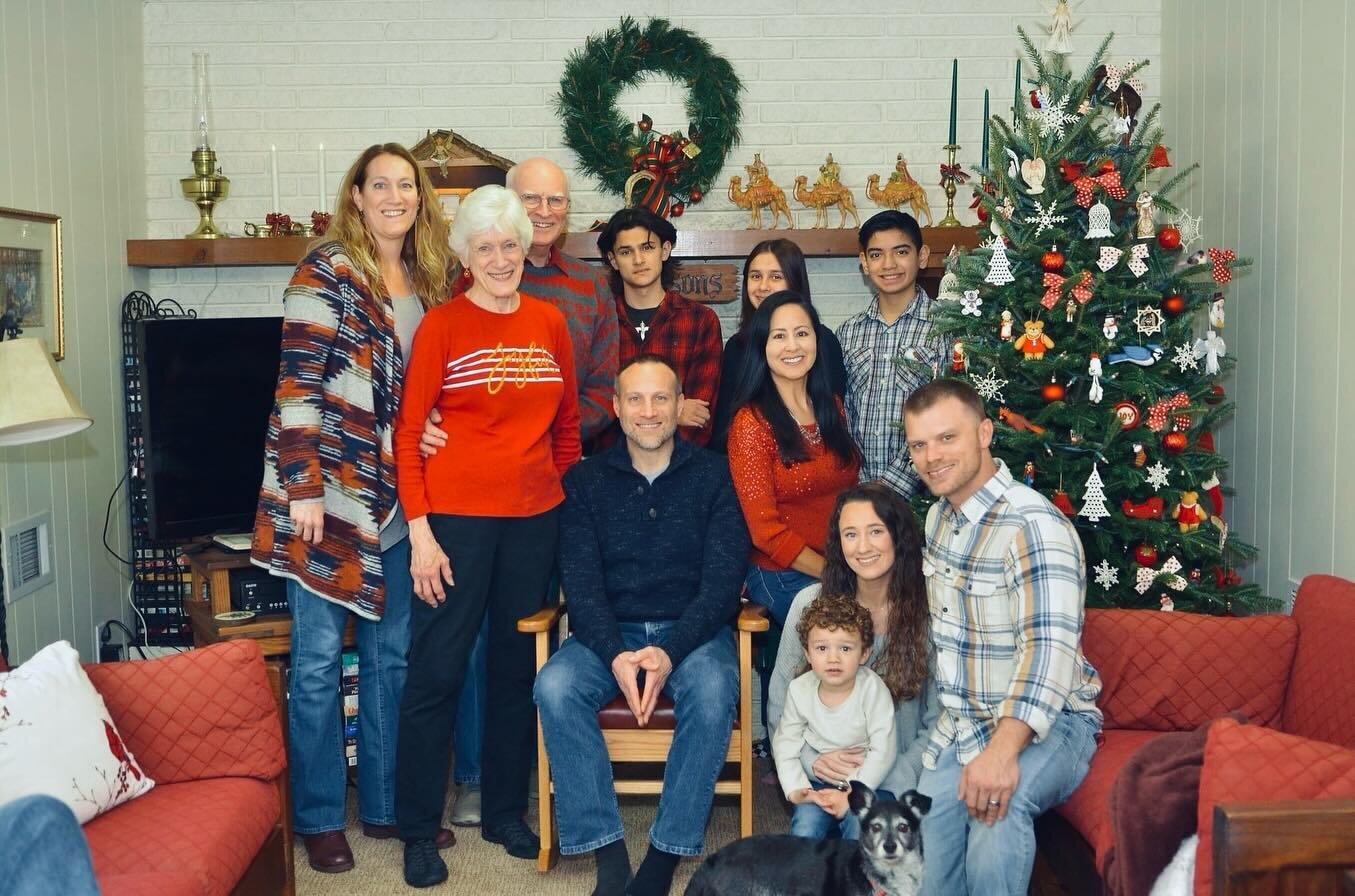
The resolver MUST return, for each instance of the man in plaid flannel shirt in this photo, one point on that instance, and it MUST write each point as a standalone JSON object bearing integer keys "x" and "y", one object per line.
{"x": 1006, "y": 584}
{"x": 655, "y": 319}
{"x": 889, "y": 349}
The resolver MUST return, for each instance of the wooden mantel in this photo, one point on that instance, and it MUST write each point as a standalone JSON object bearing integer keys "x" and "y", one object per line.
{"x": 288, "y": 250}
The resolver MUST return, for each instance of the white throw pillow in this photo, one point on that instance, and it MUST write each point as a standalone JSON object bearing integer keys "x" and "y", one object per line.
{"x": 57, "y": 738}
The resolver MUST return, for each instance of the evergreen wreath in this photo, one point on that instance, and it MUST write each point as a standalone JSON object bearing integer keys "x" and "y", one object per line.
{"x": 610, "y": 148}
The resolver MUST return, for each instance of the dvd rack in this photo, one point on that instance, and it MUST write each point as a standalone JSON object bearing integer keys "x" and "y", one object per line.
{"x": 159, "y": 582}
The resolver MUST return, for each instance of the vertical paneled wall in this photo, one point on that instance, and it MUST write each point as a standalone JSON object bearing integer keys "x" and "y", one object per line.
{"x": 71, "y": 144}
{"x": 1259, "y": 93}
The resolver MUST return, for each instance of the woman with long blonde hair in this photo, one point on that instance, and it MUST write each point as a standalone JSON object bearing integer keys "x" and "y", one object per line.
{"x": 328, "y": 520}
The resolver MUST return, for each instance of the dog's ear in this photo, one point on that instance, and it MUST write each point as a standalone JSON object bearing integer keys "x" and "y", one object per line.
{"x": 919, "y": 803}
{"x": 860, "y": 799}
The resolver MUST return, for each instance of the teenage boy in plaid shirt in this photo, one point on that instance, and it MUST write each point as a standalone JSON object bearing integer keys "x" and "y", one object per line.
{"x": 1006, "y": 583}
{"x": 655, "y": 319}
{"x": 896, "y": 327}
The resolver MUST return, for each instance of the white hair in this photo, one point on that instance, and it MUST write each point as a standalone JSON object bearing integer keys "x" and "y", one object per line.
{"x": 487, "y": 208}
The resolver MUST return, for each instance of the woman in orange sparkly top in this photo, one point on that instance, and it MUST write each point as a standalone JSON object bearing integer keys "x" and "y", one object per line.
{"x": 790, "y": 451}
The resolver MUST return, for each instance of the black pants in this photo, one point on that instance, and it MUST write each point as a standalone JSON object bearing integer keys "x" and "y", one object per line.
{"x": 501, "y": 566}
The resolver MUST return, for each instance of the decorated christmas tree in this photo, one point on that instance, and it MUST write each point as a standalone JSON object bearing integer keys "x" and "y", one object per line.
{"x": 1094, "y": 334}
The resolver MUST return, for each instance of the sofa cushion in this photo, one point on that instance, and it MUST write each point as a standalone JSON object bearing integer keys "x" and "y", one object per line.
{"x": 1324, "y": 666}
{"x": 1248, "y": 762}
{"x": 208, "y": 829}
{"x": 149, "y": 883}
{"x": 1088, "y": 809}
{"x": 1175, "y": 671}
{"x": 57, "y": 737}
{"x": 204, "y": 713}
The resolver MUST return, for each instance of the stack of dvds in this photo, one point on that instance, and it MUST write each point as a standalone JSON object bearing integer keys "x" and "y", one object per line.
{"x": 348, "y": 684}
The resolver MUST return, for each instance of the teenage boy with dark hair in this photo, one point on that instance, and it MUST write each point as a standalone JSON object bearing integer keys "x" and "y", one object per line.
{"x": 896, "y": 327}
{"x": 654, "y": 318}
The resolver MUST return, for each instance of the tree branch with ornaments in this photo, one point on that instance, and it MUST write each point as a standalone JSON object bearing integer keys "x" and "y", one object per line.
{"x": 1093, "y": 326}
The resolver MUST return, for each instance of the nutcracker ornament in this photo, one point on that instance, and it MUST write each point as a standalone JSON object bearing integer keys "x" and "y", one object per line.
{"x": 1028, "y": 473}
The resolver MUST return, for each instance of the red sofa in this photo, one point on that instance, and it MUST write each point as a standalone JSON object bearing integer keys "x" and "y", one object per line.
{"x": 205, "y": 726}
{"x": 1167, "y": 672}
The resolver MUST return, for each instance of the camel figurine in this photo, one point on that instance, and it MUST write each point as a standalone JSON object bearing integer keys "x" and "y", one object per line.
{"x": 823, "y": 196}
{"x": 758, "y": 195}
{"x": 900, "y": 188}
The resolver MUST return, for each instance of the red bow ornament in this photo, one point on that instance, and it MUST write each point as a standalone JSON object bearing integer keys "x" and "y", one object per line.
{"x": 1157, "y": 413}
{"x": 1220, "y": 258}
{"x": 663, "y": 159}
{"x": 1053, "y": 285}
{"x": 1083, "y": 290}
{"x": 953, "y": 171}
{"x": 1108, "y": 180}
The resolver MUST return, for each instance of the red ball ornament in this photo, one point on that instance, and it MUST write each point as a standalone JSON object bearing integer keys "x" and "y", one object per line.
{"x": 696, "y": 196}
{"x": 1173, "y": 305}
{"x": 645, "y": 124}
{"x": 1169, "y": 238}
{"x": 1053, "y": 391}
{"x": 1215, "y": 395}
{"x": 666, "y": 140}
{"x": 1174, "y": 442}
{"x": 1052, "y": 261}
{"x": 1145, "y": 555}
{"x": 1035, "y": 98}
{"x": 676, "y": 209}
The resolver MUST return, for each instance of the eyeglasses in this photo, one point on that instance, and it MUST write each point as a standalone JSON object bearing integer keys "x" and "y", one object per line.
{"x": 532, "y": 202}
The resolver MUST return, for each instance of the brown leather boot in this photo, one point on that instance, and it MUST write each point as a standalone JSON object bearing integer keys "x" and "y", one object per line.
{"x": 328, "y": 852}
{"x": 444, "y": 840}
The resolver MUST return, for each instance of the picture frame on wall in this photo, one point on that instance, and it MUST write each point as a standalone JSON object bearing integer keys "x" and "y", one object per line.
{"x": 30, "y": 277}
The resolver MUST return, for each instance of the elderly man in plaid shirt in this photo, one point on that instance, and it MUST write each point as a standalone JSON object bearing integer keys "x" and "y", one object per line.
{"x": 1006, "y": 583}
{"x": 889, "y": 349}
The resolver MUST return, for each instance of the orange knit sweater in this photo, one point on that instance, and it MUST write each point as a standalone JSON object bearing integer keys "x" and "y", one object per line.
{"x": 505, "y": 386}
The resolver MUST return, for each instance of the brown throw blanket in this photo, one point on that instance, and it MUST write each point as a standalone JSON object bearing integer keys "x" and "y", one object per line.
{"x": 1152, "y": 808}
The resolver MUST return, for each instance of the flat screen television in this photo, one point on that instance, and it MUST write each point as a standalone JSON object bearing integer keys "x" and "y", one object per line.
{"x": 206, "y": 389}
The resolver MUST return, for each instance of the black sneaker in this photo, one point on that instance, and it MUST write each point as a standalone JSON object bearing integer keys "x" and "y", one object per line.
{"x": 515, "y": 837}
{"x": 423, "y": 866}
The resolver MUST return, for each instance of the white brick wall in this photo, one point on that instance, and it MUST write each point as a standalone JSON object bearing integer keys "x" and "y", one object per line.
{"x": 348, "y": 73}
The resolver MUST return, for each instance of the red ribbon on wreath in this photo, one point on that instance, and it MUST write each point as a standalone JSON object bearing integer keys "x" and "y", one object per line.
{"x": 955, "y": 171}
{"x": 1220, "y": 258}
{"x": 663, "y": 159}
{"x": 1107, "y": 180}
{"x": 1157, "y": 413}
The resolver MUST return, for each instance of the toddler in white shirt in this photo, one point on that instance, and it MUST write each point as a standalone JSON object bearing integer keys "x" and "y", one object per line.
{"x": 840, "y": 703}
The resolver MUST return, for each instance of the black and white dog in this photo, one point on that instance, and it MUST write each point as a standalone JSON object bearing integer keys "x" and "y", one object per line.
{"x": 886, "y": 861}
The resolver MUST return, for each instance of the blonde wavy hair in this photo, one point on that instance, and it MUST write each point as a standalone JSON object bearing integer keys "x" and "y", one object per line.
{"x": 426, "y": 252}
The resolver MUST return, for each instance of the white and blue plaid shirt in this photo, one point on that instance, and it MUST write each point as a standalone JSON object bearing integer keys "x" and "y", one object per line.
{"x": 1006, "y": 582}
{"x": 878, "y": 384}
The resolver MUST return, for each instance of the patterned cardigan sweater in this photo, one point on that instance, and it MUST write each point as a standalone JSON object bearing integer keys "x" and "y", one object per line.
{"x": 329, "y": 435}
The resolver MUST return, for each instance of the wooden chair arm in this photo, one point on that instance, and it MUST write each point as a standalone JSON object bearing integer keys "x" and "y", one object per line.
{"x": 1309, "y": 845}
{"x": 543, "y": 620}
{"x": 753, "y": 618}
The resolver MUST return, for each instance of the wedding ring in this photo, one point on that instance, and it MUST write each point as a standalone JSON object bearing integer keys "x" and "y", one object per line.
{"x": 995, "y": 802}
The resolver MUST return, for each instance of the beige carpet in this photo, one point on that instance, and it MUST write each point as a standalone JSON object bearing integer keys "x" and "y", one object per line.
{"x": 478, "y": 867}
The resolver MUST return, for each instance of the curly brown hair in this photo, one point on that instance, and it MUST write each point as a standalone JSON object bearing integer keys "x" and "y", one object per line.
{"x": 836, "y": 613}
{"x": 903, "y": 661}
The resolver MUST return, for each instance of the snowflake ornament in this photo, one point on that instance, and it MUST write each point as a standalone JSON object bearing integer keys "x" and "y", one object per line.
{"x": 1185, "y": 357}
{"x": 1046, "y": 219}
{"x": 1148, "y": 321}
{"x": 971, "y": 302}
{"x": 1157, "y": 476}
{"x": 1052, "y": 116}
{"x": 989, "y": 386}
{"x": 1107, "y": 576}
{"x": 1188, "y": 226}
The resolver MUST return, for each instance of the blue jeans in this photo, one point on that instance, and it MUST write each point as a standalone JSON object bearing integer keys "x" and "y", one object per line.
{"x": 776, "y": 590}
{"x": 468, "y": 739}
{"x": 314, "y": 724}
{"x": 808, "y": 820}
{"x": 571, "y": 688}
{"x": 43, "y": 850}
{"x": 968, "y": 856}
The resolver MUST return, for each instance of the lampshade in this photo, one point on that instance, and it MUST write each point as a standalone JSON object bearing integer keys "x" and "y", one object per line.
{"x": 35, "y": 404}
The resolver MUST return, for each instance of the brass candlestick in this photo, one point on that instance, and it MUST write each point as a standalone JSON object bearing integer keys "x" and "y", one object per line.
{"x": 948, "y": 177}
{"x": 205, "y": 189}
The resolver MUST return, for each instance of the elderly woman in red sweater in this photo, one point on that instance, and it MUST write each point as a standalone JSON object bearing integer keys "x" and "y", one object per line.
{"x": 790, "y": 451}
{"x": 483, "y": 521}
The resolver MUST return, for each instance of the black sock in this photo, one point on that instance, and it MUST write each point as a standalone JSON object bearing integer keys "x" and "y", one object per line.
{"x": 655, "y": 874}
{"x": 613, "y": 869}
